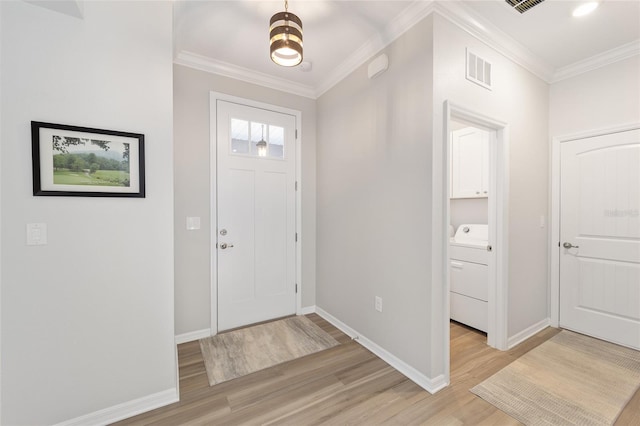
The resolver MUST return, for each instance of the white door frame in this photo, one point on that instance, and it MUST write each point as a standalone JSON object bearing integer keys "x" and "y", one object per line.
{"x": 213, "y": 111}
{"x": 498, "y": 224}
{"x": 554, "y": 229}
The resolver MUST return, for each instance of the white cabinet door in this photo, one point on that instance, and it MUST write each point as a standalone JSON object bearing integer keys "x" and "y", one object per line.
{"x": 600, "y": 218}
{"x": 256, "y": 215}
{"x": 469, "y": 163}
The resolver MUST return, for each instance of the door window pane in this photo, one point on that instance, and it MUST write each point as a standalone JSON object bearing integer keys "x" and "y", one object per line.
{"x": 276, "y": 142}
{"x": 239, "y": 136}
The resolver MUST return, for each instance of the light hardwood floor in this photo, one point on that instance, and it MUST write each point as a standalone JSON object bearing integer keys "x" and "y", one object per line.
{"x": 347, "y": 385}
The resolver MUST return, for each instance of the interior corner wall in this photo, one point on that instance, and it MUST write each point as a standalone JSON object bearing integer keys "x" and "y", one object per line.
{"x": 601, "y": 98}
{"x": 88, "y": 319}
{"x": 193, "y": 193}
{"x": 520, "y": 99}
{"x": 374, "y": 199}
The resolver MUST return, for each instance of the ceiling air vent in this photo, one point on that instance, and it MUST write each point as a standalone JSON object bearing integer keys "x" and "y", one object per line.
{"x": 523, "y": 5}
{"x": 478, "y": 70}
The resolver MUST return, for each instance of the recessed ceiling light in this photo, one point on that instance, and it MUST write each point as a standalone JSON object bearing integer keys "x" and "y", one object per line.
{"x": 585, "y": 9}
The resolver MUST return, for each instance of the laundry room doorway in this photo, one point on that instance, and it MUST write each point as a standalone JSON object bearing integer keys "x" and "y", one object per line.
{"x": 469, "y": 249}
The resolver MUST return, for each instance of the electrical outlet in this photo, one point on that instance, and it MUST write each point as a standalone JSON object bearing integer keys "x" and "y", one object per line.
{"x": 378, "y": 304}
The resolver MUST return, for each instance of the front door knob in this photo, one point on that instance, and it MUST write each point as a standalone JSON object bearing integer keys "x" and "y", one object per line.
{"x": 224, "y": 246}
{"x": 569, "y": 245}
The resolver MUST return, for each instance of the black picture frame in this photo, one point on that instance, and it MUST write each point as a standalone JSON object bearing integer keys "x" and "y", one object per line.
{"x": 74, "y": 161}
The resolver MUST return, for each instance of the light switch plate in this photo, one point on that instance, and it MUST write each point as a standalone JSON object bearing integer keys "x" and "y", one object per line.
{"x": 36, "y": 234}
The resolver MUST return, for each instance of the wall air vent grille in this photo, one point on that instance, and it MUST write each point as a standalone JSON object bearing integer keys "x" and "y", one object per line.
{"x": 478, "y": 70}
{"x": 523, "y": 5}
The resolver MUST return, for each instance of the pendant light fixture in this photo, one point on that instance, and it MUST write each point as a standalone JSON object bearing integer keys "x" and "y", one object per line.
{"x": 262, "y": 145}
{"x": 285, "y": 35}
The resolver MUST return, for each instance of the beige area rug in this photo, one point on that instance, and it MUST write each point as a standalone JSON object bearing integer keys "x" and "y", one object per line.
{"x": 571, "y": 379}
{"x": 247, "y": 350}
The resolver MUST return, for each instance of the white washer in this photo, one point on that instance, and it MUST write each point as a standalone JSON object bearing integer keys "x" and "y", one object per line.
{"x": 469, "y": 275}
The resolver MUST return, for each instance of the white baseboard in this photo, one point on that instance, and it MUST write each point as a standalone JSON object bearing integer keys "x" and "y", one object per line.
{"x": 125, "y": 410}
{"x": 520, "y": 337}
{"x": 175, "y": 347}
{"x": 193, "y": 335}
{"x": 428, "y": 384}
{"x": 307, "y": 310}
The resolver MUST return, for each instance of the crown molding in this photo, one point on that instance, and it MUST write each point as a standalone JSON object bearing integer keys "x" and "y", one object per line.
{"x": 410, "y": 16}
{"x": 492, "y": 36}
{"x": 204, "y": 63}
{"x": 598, "y": 61}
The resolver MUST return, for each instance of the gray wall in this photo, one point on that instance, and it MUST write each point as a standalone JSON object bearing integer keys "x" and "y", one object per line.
{"x": 374, "y": 199}
{"x": 87, "y": 320}
{"x": 375, "y": 181}
{"x": 520, "y": 99}
{"x": 192, "y": 188}
{"x": 468, "y": 210}
{"x": 605, "y": 97}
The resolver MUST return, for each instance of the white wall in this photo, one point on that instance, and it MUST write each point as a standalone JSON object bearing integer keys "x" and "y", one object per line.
{"x": 601, "y": 98}
{"x": 87, "y": 320}
{"x": 521, "y": 100}
{"x": 192, "y": 188}
{"x": 468, "y": 210}
{"x": 374, "y": 199}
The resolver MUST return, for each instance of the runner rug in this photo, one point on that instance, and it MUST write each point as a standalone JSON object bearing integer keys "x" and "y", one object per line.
{"x": 247, "y": 350}
{"x": 570, "y": 379}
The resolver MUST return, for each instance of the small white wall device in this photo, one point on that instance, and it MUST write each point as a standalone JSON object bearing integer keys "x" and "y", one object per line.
{"x": 378, "y": 66}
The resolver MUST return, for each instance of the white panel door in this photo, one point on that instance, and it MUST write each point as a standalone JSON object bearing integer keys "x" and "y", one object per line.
{"x": 600, "y": 218}
{"x": 256, "y": 215}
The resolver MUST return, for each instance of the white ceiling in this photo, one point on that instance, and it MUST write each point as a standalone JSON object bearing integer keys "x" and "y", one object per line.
{"x": 551, "y": 33}
{"x": 237, "y": 32}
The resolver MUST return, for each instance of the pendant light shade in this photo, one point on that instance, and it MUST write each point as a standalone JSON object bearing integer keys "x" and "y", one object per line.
{"x": 285, "y": 35}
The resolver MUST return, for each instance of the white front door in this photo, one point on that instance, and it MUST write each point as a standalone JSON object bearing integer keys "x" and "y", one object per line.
{"x": 256, "y": 215}
{"x": 600, "y": 237}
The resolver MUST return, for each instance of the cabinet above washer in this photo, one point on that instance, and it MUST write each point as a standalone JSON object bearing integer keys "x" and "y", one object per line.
{"x": 469, "y": 165}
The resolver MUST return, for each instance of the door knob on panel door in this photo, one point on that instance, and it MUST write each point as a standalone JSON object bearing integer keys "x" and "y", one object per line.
{"x": 224, "y": 246}
{"x": 569, "y": 245}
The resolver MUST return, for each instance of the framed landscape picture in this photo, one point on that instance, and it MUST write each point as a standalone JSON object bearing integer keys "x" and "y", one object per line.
{"x": 86, "y": 162}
